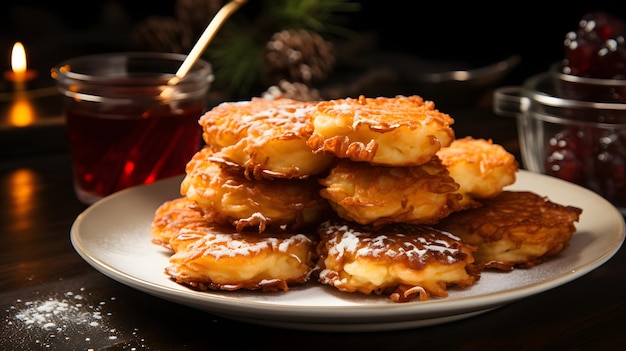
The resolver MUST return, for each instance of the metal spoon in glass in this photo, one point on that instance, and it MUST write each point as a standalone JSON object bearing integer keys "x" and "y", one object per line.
{"x": 204, "y": 40}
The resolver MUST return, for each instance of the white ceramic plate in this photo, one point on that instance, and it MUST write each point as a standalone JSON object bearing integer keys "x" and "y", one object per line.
{"x": 113, "y": 235}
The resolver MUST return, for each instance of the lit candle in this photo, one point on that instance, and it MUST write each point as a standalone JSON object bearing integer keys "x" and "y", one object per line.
{"x": 19, "y": 73}
{"x": 22, "y": 111}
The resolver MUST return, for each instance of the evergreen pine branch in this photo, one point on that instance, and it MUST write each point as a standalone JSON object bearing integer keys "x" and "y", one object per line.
{"x": 318, "y": 15}
{"x": 238, "y": 60}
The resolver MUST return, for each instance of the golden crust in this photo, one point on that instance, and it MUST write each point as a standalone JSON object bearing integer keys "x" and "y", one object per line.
{"x": 481, "y": 168}
{"x": 514, "y": 229}
{"x": 377, "y": 195}
{"x": 172, "y": 216}
{"x": 216, "y": 257}
{"x": 400, "y": 260}
{"x": 399, "y": 131}
{"x": 244, "y": 203}
{"x": 267, "y": 138}
{"x": 415, "y": 211}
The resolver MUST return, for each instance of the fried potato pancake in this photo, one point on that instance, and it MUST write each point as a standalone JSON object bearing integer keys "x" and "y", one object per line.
{"x": 216, "y": 257}
{"x": 403, "y": 261}
{"x": 172, "y": 216}
{"x": 267, "y": 138}
{"x": 373, "y": 196}
{"x": 377, "y": 195}
{"x": 481, "y": 168}
{"x": 234, "y": 199}
{"x": 514, "y": 229}
{"x": 399, "y": 131}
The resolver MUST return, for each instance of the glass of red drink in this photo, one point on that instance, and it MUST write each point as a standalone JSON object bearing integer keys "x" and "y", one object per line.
{"x": 126, "y": 125}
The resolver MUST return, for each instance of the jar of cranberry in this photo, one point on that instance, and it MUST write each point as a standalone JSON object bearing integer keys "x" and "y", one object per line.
{"x": 572, "y": 119}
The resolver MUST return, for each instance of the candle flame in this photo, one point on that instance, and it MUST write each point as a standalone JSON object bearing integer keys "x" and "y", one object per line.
{"x": 18, "y": 58}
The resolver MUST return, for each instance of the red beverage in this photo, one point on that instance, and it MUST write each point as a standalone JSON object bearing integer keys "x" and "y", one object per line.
{"x": 119, "y": 149}
{"x": 127, "y": 123}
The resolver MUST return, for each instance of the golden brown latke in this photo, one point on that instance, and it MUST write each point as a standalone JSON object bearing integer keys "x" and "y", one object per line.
{"x": 514, "y": 229}
{"x": 400, "y": 260}
{"x": 209, "y": 256}
{"x": 234, "y": 199}
{"x": 399, "y": 131}
{"x": 267, "y": 138}
{"x": 172, "y": 216}
{"x": 481, "y": 168}
{"x": 377, "y": 195}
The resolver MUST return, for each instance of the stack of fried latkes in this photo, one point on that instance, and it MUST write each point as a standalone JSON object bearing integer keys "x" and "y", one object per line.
{"x": 367, "y": 195}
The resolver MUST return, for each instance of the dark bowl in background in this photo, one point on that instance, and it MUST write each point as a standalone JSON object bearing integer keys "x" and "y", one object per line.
{"x": 451, "y": 84}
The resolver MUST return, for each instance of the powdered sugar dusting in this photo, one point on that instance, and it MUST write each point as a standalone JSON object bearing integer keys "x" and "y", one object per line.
{"x": 60, "y": 323}
{"x": 415, "y": 244}
{"x": 221, "y": 245}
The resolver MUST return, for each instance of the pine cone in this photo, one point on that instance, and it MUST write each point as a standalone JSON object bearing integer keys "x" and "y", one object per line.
{"x": 294, "y": 91}
{"x": 196, "y": 14}
{"x": 162, "y": 34}
{"x": 298, "y": 56}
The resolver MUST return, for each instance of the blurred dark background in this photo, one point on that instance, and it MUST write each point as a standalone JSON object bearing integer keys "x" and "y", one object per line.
{"x": 472, "y": 32}
{"x": 437, "y": 31}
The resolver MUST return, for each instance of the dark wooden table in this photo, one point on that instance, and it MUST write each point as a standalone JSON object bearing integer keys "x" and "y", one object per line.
{"x": 39, "y": 268}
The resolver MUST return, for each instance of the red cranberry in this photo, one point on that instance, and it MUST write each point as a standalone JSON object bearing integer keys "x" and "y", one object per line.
{"x": 611, "y": 59}
{"x": 603, "y": 24}
{"x": 596, "y": 49}
{"x": 592, "y": 157}
{"x": 580, "y": 54}
{"x": 564, "y": 159}
{"x": 610, "y": 163}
